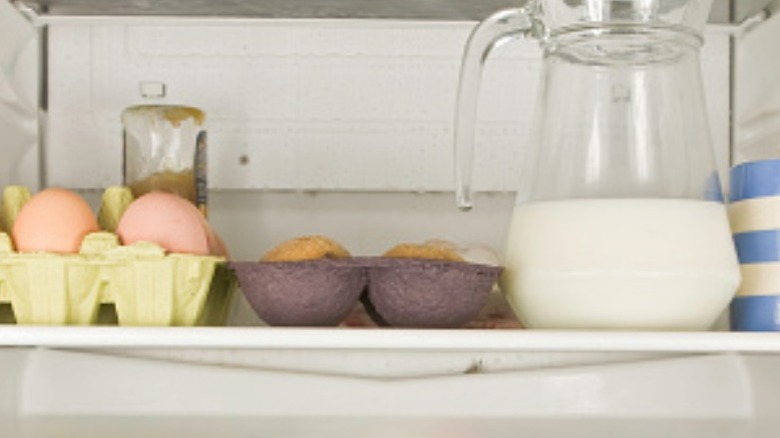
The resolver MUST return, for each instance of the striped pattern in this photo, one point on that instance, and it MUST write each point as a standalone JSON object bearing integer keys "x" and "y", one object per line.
{"x": 754, "y": 215}
{"x": 760, "y": 279}
{"x": 756, "y": 314}
{"x": 758, "y": 246}
{"x": 756, "y": 179}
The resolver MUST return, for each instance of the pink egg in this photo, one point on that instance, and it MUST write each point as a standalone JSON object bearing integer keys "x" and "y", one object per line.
{"x": 54, "y": 220}
{"x": 216, "y": 246}
{"x": 167, "y": 220}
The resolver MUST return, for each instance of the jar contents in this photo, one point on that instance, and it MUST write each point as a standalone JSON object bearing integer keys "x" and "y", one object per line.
{"x": 165, "y": 150}
{"x": 179, "y": 183}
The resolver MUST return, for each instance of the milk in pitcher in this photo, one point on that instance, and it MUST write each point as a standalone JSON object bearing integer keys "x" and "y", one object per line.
{"x": 620, "y": 263}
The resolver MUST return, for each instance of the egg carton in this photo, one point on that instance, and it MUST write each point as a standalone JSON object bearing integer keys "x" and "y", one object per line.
{"x": 144, "y": 285}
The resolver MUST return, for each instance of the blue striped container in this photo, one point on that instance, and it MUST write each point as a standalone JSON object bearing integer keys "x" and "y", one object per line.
{"x": 754, "y": 214}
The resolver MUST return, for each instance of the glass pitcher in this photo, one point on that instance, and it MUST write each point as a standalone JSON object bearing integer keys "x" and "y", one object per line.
{"x": 619, "y": 221}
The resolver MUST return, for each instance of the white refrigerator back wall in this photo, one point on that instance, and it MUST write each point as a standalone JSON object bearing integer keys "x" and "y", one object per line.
{"x": 306, "y": 104}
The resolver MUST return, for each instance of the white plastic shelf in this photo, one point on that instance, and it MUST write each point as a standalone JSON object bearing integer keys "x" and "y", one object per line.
{"x": 387, "y": 339}
{"x": 717, "y": 384}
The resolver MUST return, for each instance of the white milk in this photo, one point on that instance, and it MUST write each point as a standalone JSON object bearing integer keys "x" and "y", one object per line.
{"x": 620, "y": 264}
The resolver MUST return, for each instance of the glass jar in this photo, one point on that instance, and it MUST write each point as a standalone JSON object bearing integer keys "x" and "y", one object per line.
{"x": 165, "y": 150}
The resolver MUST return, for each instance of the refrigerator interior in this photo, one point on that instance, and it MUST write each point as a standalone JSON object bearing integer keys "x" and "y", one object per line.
{"x": 342, "y": 127}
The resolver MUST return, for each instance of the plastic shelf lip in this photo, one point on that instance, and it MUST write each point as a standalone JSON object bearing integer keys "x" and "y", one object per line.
{"x": 389, "y": 340}
{"x": 391, "y": 9}
{"x": 723, "y": 10}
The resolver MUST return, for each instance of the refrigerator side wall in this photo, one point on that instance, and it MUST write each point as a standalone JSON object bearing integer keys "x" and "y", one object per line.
{"x": 19, "y": 102}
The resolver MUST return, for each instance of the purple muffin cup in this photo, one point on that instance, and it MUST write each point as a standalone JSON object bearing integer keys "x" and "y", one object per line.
{"x": 416, "y": 293}
{"x": 305, "y": 293}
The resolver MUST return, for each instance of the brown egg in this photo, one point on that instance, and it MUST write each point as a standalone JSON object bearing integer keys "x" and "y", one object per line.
{"x": 217, "y": 246}
{"x": 55, "y": 220}
{"x": 171, "y": 222}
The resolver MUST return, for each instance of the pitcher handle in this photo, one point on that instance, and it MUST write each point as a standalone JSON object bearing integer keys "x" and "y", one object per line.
{"x": 502, "y": 26}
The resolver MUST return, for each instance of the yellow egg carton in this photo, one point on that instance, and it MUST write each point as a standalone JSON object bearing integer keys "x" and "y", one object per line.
{"x": 144, "y": 285}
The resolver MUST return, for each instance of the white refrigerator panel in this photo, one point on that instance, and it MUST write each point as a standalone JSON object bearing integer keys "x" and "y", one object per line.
{"x": 307, "y": 105}
{"x": 56, "y": 393}
{"x": 19, "y": 103}
{"x": 757, "y": 91}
